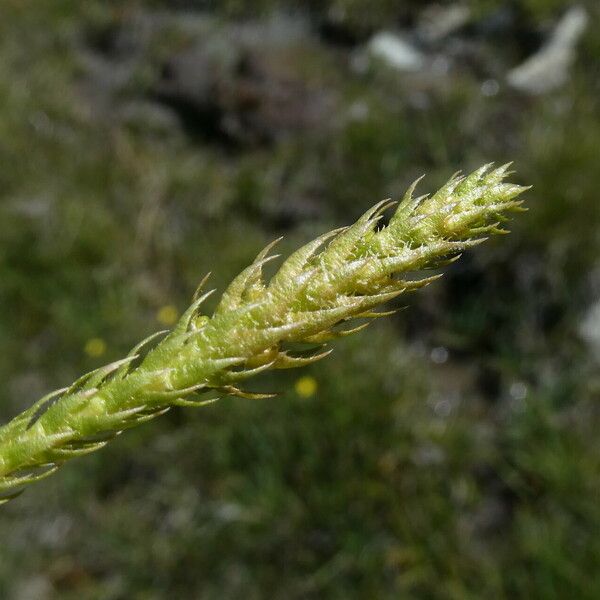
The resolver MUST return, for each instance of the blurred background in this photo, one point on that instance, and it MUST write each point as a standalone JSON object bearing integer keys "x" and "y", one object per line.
{"x": 451, "y": 452}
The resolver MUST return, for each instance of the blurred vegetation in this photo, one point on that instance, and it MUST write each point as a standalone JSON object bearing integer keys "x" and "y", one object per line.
{"x": 449, "y": 453}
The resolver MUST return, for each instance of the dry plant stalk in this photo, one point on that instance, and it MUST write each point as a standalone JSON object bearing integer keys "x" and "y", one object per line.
{"x": 340, "y": 276}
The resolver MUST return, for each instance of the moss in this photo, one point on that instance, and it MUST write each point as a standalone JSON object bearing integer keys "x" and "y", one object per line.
{"x": 496, "y": 498}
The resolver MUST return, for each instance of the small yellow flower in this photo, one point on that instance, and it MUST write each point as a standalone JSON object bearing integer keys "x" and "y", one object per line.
{"x": 95, "y": 347}
{"x": 167, "y": 315}
{"x": 306, "y": 386}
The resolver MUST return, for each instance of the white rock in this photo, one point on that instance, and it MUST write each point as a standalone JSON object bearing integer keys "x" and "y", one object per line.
{"x": 548, "y": 68}
{"x": 589, "y": 328}
{"x": 395, "y": 51}
{"x": 438, "y": 21}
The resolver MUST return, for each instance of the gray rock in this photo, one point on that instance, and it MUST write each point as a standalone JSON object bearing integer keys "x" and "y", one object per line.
{"x": 589, "y": 329}
{"x": 241, "y": 94}
{"x": 548, "y": 68}
{"x": 438, "y": 22}
{"x": 395, "y": 51}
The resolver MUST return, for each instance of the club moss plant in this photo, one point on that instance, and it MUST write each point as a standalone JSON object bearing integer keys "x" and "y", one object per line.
{"x": 337, "y": 278}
